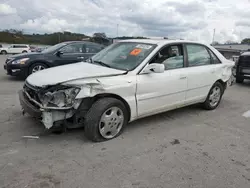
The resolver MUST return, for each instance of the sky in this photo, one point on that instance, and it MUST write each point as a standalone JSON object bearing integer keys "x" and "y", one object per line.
{"x": 187, "y": 19}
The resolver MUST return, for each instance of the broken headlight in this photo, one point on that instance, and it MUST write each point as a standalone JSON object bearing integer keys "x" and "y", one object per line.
{"x": 59, "y": 98}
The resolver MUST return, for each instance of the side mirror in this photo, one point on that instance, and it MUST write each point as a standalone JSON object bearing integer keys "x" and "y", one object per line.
{"x": 154, "y": 68}
{"x": 59, "y": 53}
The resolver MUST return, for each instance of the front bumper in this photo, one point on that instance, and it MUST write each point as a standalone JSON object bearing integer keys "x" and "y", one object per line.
{"x": 28, "y": 107}
{"x": 15, "y": 70}
{"x": 48, "y": 116}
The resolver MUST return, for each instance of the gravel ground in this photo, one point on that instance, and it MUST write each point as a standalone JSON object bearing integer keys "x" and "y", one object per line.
{"x": 188, "y": 147}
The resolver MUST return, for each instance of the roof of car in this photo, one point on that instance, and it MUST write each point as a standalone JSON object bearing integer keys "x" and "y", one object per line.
{"x": 159, "y": 41}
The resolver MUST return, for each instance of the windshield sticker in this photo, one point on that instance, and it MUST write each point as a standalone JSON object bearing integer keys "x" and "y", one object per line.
{"x": 135, "y": 51}
{"x": 144, "y": 46}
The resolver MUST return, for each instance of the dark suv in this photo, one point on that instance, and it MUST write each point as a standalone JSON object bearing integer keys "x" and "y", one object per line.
{"x": 60, "y": 54}
{"x": 243, "y": 67}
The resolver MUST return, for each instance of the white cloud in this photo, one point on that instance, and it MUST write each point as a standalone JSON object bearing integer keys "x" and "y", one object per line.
{"x": 189, "y": 19}
{"x": 6, "y": 9}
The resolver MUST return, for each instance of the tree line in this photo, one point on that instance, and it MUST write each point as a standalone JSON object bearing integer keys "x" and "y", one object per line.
{"x": 13, "y": 36}
{"x": 244, "y": 41}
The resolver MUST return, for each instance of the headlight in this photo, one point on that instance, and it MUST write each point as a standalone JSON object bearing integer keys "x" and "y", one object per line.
{"x": 20, "y": 61}
{"x": 59, "y": 98}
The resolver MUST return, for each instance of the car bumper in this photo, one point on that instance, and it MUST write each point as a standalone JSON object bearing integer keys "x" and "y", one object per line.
{"x": 28, "y": 107}
{"x": 48, "y": 116}
{"x": 15, "y": 70}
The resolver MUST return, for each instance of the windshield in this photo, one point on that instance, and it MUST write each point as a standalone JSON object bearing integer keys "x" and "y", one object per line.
{"x": 53, "y": 48}
{"x": 124, "y": 55}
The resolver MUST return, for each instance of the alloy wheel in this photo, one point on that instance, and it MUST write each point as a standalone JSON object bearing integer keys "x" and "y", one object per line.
{"x": 37, "y": 68}
{"x": 111, "y": 122}
{"x": 215, "y": 96}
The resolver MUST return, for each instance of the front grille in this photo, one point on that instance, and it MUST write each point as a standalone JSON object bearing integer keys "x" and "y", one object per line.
{"x": 32, "y": 91}
{"x": 244, "y": 61}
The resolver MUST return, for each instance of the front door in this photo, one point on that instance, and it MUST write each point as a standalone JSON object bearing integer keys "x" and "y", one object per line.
{"x": 71, "y": 53}
{"x": 158, "y": 92}
{"x": 13, "y": 49}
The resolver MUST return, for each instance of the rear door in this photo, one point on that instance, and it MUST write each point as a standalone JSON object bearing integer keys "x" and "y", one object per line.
{"x": 201, "y": 72}
{"x": 71, "y": 53}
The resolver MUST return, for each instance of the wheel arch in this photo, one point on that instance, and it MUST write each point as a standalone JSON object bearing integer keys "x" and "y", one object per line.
{"x": 4, "y": 51}
{"x": 224, "y": 84}
{"x": 111, "y": 95}
{"x": 38, "y": 61}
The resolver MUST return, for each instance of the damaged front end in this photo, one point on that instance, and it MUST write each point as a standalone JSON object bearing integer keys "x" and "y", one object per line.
{"x": 51, "y": 104}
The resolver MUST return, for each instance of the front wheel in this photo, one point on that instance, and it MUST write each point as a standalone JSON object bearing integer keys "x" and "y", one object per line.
{"x": 3, "y": 52}
{"x": 37, "y": 67}
{"x": 214, "y": 96}
{"x": 105, "y": 120}
{"x": 24, "y": 51}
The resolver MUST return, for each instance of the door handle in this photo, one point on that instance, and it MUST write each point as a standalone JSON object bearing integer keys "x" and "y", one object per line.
{"x": 80, "y": 57}
{"x": 183, "y": 77}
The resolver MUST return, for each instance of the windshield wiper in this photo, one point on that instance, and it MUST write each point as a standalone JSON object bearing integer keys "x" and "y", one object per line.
{"x": 100, "y": 63}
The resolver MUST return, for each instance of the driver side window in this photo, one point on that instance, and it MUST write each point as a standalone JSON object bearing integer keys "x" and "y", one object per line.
{"x": 171, "y": 56}
{"x": 72, "y": 48}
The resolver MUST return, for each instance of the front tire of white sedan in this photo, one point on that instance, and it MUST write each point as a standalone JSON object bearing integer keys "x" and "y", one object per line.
{"x": 105, "y": 120}
{"x": 214, "y": 96}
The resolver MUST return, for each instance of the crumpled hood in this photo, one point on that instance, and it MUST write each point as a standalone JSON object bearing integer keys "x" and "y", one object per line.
{"x": 65, "y": 73}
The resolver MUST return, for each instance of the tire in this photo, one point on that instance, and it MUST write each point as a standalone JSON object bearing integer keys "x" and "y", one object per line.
{"x": 24, "y": 51}
{"x": 239, "y": 80}
{"x": 36, "y": 66}
{"x": 211, "y": 104}
{"x": 94, "y": 123}
{"x": 3, "y": 52}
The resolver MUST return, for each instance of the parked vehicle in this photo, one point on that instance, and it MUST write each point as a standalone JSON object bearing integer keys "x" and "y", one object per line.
{"x": 40, "y": 49}
{"x": 126, "y": 81}
{"x": 243, "y": 67}
{"x": 59, "y": 54}
{"x": 15, "y": 49}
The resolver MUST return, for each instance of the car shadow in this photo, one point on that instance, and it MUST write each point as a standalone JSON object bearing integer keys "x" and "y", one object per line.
{"x": 245, "y": 83}
{"x": 77, "y": 134}
{"x": 171, "y": 115}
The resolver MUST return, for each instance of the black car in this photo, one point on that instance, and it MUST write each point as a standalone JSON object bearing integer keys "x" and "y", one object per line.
{"x": 60, "y": 54}
{"x": 243, "y": 67}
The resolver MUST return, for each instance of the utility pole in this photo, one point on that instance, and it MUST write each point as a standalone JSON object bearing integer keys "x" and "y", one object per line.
{"x": 213, "y": 37}
{"x": 117, "y": 30}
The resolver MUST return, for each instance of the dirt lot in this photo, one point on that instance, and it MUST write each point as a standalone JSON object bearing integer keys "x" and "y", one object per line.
{"x": 188, "y": 147}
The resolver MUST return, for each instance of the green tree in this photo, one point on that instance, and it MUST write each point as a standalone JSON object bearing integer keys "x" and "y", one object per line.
{"x": 245, "y": 41}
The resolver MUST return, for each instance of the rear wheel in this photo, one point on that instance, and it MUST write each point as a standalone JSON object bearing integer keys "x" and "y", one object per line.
{"x": 37, "y": 67}
{"x": 105, "y": 120}
{"x": 214, "y": 96}
{"x": 3, "y": 52}
{"x": 24, "y": 51}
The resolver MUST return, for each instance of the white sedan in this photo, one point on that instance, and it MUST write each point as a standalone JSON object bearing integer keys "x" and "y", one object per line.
{"x": 126, "y": 81}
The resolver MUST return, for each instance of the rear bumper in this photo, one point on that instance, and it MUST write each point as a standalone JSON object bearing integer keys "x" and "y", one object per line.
{"x": 28, "y": 107}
